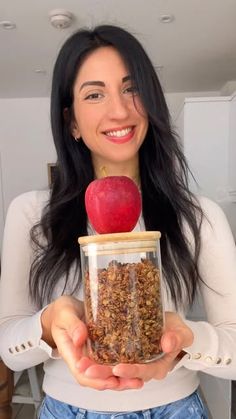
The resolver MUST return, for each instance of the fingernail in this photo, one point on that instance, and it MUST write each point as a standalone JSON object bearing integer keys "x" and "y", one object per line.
{"x": 78, "y": 366}
{"x": 115, "y": 370}
{"x": 89, "y": 373}
{"x": 111, "y": 385}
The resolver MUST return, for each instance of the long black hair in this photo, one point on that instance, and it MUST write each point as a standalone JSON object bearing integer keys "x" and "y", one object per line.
{"x": 167, "y": 202}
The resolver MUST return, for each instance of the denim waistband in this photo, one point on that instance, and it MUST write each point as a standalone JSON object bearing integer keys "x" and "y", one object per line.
{"x": 190, "y": 407}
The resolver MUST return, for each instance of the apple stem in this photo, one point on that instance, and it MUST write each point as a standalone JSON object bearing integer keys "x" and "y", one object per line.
{"x": 103, "y": 171}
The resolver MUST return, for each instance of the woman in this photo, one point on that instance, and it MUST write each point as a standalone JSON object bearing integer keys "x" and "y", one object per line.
{"x": 108, "y": 111}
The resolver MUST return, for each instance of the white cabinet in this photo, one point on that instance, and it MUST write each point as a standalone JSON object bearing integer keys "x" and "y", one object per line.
{"x": 206, "y": 137}
{"x": 232, "y": 149}
{"x": 207, "y": 127}
{"x": 1, "y": 205}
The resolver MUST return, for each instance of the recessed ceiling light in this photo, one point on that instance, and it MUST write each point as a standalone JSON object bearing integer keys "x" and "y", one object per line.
{"x": 167, "y": 18}
{"x": 7, "y": 24}
{"x": 61, "y": 18}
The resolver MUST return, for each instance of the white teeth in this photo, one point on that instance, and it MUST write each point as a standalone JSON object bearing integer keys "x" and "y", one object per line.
{"x": 119, "y": 133}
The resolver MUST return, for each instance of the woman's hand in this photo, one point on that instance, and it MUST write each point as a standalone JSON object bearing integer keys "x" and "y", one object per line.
{"x": 175, "y": 337}
{"x": 63, "y": 328}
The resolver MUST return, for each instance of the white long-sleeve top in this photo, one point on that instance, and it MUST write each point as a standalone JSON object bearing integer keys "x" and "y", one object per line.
{"x": 213, "y": 350}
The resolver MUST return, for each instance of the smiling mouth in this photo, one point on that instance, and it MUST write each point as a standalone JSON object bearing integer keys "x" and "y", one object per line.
{"x": 119, "y": 134}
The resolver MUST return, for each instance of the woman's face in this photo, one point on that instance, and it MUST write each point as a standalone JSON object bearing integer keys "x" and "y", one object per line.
{"x": 108, "y": 112}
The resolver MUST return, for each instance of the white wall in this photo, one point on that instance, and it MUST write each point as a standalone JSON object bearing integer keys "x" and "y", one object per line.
{"x": 26, "y": 146}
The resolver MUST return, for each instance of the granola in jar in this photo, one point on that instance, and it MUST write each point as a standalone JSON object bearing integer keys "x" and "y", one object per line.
{"x": 124, "y": 312}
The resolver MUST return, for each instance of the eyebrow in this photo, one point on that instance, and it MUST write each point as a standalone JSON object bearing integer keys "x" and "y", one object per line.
{"x": 100, "y": 83}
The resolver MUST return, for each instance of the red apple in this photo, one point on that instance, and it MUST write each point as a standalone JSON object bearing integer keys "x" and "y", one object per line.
{"x": 113, "y": 204}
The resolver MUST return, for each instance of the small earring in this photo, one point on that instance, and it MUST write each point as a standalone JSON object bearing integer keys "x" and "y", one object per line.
{"x": 76, "y": 139}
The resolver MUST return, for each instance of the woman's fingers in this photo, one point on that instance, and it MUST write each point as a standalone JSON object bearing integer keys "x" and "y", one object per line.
{"x": 177, "y": 334}
{"x": 92, "y": 371}
{"x": 101, "y": 377}
{"x": 175, "y": 341}
{"x": 83, "y": 364}
{"x": 72, "y": 354}
{"x": 67, "y": 319}
{"x": 70, "y": 334}
{"x": 157, "y": 370}
{"x": 140, "y": 371}
{"x": 127, "y": 370}
{"x": 98, "y": 371}
{"x": 176, "y": 337}
{"x": 129, "y": 384}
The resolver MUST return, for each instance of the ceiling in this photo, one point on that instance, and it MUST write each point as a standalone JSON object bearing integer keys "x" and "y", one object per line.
{"x": 196, "y": 52}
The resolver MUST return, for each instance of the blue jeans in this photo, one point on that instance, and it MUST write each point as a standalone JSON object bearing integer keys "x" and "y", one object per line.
{"x": 190, "y": 407}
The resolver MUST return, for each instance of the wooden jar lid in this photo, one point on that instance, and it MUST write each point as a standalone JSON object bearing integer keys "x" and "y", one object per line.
{"x": 119, "y": 237}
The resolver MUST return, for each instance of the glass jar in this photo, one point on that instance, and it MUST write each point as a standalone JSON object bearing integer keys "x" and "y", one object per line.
{"x": 122, "y": 296}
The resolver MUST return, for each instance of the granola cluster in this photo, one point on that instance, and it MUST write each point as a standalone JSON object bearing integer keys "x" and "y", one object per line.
{"x": 124, "y": 313}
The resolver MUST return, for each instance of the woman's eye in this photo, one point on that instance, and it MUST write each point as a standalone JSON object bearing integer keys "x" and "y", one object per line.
{"x": 132, "y": 90}
{"x": 94, "y": 96}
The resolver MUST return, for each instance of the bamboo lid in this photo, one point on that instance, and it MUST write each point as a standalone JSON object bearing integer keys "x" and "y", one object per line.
{"x": 119, "y": 237}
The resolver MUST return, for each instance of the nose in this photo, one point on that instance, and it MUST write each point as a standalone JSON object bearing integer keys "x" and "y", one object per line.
{"x": 118, "y": 107}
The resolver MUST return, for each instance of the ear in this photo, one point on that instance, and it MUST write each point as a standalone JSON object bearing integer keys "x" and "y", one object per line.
{"x": 75, "y": 131}
{"x": 73, "y": 126}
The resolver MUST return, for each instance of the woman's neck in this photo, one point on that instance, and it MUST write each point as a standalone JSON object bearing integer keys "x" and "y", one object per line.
{"x": 130, "y": 169}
